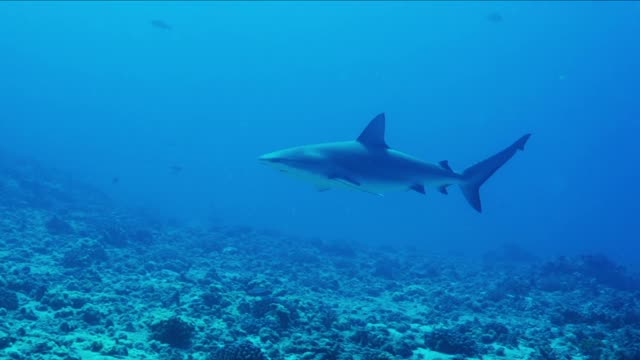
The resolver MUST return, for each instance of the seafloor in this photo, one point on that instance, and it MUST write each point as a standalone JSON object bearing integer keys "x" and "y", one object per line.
{"x": 80, "y": 280}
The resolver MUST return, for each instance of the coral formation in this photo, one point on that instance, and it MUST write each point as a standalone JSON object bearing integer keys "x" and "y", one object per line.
{"x": 174, "y": 332}
{"x": 8, "y": 299}
{"x": 242, "y": 350}
{"x": 80, "y": 280}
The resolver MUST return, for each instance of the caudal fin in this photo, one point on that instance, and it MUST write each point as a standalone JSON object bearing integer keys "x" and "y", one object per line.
{"x": 477, "y": 174}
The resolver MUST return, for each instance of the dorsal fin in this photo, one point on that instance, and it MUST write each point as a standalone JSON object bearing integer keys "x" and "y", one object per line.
{"x": 373, "y": 134}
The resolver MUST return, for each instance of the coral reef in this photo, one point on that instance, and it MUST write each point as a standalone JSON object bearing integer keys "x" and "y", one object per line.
{"x": 80, "y": 280}
{"x": 8, "y": 299}
{"x": 242, "y": 350}
{"x": 174, "y": 332}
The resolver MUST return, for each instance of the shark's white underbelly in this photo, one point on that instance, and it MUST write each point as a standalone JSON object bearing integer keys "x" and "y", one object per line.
{"x": 375, "y": 184}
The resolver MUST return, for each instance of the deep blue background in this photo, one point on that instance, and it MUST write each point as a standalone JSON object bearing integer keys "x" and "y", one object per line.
{"x": 94, "y": 89}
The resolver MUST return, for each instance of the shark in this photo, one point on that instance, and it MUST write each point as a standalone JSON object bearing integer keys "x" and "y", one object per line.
{"x": 369, "y": 165}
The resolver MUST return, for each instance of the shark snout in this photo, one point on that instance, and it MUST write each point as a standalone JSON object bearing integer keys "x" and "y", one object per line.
{"x": 270, "y": 158}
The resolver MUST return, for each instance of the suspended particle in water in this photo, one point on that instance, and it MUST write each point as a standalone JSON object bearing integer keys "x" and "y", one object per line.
{"x": 495, "y": 17}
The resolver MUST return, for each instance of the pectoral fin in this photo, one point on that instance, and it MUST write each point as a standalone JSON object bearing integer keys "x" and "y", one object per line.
{"x": 345, "y": 179}
{"x": 351, "y": 182}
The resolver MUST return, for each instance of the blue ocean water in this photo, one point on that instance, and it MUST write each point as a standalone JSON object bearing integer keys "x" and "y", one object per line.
{"x": 137, "y": 222}
{"x": 179, "y": 116}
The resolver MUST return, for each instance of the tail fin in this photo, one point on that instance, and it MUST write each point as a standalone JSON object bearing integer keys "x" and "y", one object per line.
{"x": 477, "y": 174}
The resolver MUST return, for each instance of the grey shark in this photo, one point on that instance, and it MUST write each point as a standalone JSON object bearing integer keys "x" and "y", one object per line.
{"x": 368, "y": 164}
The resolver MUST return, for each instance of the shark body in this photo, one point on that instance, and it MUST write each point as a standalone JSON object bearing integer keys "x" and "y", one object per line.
{"x": 368, "y": 164}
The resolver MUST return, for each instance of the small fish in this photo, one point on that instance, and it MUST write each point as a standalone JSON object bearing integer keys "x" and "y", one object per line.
{"x": 115, "y": 180}
{"x": 495, "y": 17}
{"x": 176, "y": 169}
{"x": 160, "y": 24}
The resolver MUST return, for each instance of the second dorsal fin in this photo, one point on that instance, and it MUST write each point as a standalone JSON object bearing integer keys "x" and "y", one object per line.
{"x": 445, "y": 165}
